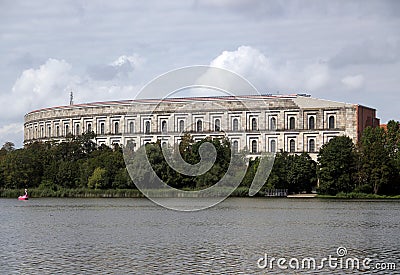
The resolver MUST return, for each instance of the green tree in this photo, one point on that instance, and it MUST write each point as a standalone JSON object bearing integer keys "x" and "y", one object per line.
{"x": 393, "y": 140}
{"x": 250, "y": 172}
{"x": 7, "y": 147}
{"x": 137, "y": 164}
{"x": 219, "y": 167}
{"x": 86, "y": 141}
{"x": 278, "y": 176}
{"x": 98, "y": 179}
{"x": 377, "y": 166}
{"x": 301, "y": 175}
{"x": 21, "y": 169}
{"x": 123, "y": 180}
{"x": 337, "y": 166}
{"x": 297, "y": 173}
{"x": 68, "y": 174}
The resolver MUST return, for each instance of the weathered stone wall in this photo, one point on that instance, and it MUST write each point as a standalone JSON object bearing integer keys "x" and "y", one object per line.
{"x": 120, "y": 122}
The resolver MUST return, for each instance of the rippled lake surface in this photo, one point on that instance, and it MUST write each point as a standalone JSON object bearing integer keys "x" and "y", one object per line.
{"x": 135, "y": 236}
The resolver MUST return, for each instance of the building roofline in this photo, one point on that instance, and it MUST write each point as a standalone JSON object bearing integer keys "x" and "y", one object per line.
{"x": 181, "y": 99}
{"x": 172, "y": 99}
{"x": 366, "y": 107}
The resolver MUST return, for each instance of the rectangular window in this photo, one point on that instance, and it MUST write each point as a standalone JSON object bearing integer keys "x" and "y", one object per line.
{"x": 311, "y": 123}
{"x": 102, "y": 128}
{"x": 235, "y": 125}
{"x": 292, "y": 145}
{"x": 292, "y": 123}
{"x": 272, "y": 124}
{"x": 131, "y": 127}
{"x": 272, "y": 146}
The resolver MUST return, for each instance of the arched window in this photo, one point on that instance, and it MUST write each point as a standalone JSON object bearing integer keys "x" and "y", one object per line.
{"x": 58, "y": 130}
{"x": 131, "y": 127}
{"x": 49, "y": 131}
{"x": 331, "y": 122}
{"x": 254, "y": 124}
{"x": 217, "y": 125}
{"x": 235, "y": 146}
{"x": 77, "y": 129}
{"x": 292, "y": 123}
{"x": 311, "y": 123}
{"x": 89, "y": 128}
{"x": 163, "y": 126}
{"x": 181, "y": 126}
{"x": 66, "y": 129}
{"x": 235, "y": 125}
{"x": 273, "y": 146}
{"x": 272, "y": 124}
{"x": 147, "y": 127}
{"x": 292, "y": 146}
{"x": 41, "y": 132}
{"x": 199, "y": 126}
{"x": 254, "y": 146}
{"x": 116, "y": 127}
{"x": 311, "y": 145}
{"x": 102, "y": 128}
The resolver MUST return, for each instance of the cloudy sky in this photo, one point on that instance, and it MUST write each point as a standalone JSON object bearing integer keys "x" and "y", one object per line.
{"x": 107, "y": 50}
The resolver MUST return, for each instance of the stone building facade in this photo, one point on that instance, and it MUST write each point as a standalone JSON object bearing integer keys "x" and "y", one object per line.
{"x": 263, "y": 123}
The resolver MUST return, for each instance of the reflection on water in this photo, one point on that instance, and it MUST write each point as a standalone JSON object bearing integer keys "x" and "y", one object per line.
{"x": 135, "y": 236}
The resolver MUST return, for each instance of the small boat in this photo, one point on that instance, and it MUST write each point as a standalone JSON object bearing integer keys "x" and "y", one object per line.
{"x": 24, "y": 197}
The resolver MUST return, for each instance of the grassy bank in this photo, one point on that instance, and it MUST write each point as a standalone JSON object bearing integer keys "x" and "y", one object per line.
{"x": 134, "y": 193}
{"x": 72, "y": 193}
{"x": 354, "y": 195}
{"x": 99, "y": 193}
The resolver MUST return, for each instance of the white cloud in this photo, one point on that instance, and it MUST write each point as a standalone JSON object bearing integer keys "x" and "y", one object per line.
{"x": 47, "y": 85}
{"x": 353, "y": 82}
{"x": 37, "y": 88}
{"x": 121, "y": 68}
{"x": 50, "y": 85}
{"x": 9, "y": 131}
{"x": 273, "y": 75}
{"x": 134, "y": 61}
{"x": 243, "y": 60}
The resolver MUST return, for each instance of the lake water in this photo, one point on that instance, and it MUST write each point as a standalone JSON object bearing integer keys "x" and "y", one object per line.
{"x": 135, "y": 236}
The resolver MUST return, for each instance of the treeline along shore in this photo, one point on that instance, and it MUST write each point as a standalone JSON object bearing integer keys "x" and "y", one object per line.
{"x": 80, "y": 168}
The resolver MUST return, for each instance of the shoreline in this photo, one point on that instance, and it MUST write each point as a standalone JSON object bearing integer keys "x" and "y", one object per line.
{"x": 134, "y": 193}
{"x": 302, "y": 196}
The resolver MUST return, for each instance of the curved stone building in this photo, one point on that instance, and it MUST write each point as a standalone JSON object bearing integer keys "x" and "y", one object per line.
{"x": 294, "y": 123}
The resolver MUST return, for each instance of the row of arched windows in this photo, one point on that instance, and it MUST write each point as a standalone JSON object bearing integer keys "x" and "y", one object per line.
{"x": 311, "y": 123}
{"x": 58, "y": 132}
{"x": 291, "y": 123}
{"x": 331, "y": 122}
{"x": 77, "y": 130}
{"x": 235, "y": 124}
{"x": 199, "y": 126}
{"x": 310, "y": 146}
{"x": 273, "y": 146}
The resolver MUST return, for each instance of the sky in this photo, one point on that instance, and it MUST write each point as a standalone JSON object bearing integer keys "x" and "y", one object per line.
{"x": 346, "y": 51}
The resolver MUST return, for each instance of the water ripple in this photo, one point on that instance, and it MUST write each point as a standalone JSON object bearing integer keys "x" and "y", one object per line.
{"x": 134, "y": 236}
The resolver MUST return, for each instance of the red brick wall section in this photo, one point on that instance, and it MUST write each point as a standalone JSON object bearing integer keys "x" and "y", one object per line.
{"x": 366, "y": 117}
